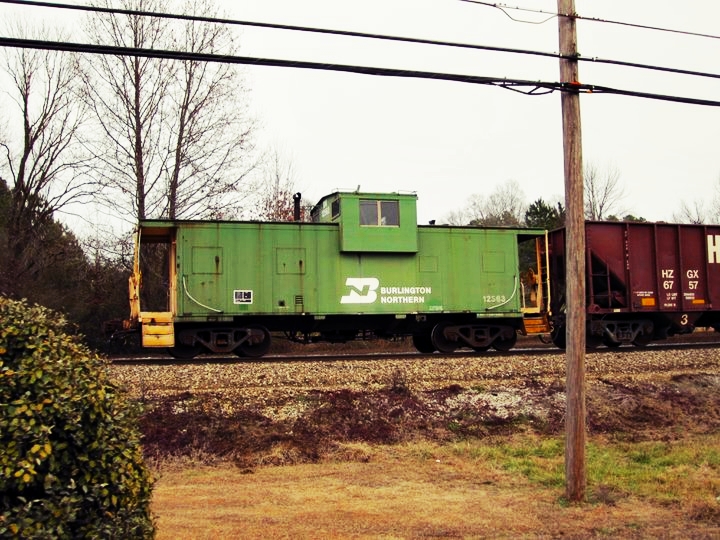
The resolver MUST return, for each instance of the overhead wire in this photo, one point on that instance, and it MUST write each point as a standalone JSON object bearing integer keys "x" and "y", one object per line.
{"x": 503, "y": 82}
{"x": 647, "y": 27}
{"x": 276, "y": 26}
{"x": 504, "y": 8}
{"x": 348, "y": 33}
{"x": 512, "y": 84}
{"x": 248, "y": 60}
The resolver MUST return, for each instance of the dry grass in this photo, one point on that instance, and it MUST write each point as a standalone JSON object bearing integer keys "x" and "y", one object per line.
{"x": 423, "y": 490}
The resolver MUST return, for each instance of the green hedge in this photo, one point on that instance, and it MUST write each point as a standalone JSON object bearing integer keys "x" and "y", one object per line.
{"x": 71, "y": 464}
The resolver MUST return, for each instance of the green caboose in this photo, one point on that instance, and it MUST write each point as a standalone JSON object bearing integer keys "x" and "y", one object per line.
{"x": 361, "y": 267}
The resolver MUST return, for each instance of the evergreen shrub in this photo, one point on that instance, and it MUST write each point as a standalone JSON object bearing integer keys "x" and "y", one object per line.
{"x": 71, "y": 464}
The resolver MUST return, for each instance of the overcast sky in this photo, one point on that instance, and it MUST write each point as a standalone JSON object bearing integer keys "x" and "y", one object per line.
{"x": 449, "y": 140}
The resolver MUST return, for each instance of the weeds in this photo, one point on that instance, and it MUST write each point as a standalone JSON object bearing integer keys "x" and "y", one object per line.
{"x": 666, "y": 473}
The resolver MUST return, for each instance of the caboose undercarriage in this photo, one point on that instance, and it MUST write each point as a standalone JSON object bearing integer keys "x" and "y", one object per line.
{"x": 429, "y": 333}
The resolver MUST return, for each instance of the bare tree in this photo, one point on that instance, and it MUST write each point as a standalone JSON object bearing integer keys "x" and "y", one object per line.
{"x": 715, "y": 207}
{"x": 41, "y": 160}
{"x": 701, "y": 210}
{"x": 277, "y": 192}
{"x": 209, "y": 122}
{"x": 173, "y": 138}
{"x": 603, "y": 193}
{"x": 476, "y": 210}
{"x": 694, "y": 212}
{"x": 457, "y": 217}
{"x": 127, "y": 95}
{"x": 505, "y": 206}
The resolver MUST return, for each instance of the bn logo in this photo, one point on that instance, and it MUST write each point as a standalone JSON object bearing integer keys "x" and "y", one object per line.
{"x": 363, "y": 291}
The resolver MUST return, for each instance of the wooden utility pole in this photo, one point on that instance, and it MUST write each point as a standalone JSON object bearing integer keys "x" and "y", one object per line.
{"x": 575, "y": 476}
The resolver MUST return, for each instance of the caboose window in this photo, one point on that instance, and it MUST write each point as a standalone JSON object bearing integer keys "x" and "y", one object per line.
{"x": 369, "y": 212}
{"x": 379, "y": 213}
{"x": 389, "y": 213}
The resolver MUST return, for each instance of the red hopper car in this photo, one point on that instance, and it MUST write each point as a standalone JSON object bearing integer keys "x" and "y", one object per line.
{"x": 645, "y": 281}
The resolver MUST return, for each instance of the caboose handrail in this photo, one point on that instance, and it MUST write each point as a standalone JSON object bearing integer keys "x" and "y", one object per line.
{"x": 515, "y": 289}
{"x": 546, "y": 292}
{"x": 134, "y": 282}
{"x": 190, "y": 296}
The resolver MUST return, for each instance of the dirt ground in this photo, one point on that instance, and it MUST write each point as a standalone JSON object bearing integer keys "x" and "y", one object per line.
{"x": 251, "y": 416}
{"x": 247, "y": 411}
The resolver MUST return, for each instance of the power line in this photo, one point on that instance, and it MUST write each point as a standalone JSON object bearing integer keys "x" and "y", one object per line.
{"x": 536, "y": 87}
{"x": 274, "y": 26}
{"x": 256, "y": 61}
{"x": 504, "y": 8}
{"x": 647, "y": 27}
{"x": 346, "y": 33}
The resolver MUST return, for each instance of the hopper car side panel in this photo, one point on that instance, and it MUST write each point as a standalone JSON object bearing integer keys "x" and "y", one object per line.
{"x": 645, "y": 281}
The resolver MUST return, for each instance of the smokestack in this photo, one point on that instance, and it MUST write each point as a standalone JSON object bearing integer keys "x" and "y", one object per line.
{"x": 296, "y": 209}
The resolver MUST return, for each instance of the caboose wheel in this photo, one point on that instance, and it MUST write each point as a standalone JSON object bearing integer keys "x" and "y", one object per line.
{"x": 423, "y": 343}
{"x": 611, "y": 343}
{"x": 440, "y": 338}
{"x": 184, "y": 352}
{"x": 256, "y": 345}
{"x": 505, "y": 344}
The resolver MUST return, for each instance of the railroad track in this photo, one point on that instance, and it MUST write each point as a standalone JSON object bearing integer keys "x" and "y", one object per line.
{"x": 244, "y": 381}
{"x": 334, "y": 353}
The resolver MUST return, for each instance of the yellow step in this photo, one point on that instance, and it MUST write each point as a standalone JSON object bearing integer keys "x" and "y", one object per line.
{"x": 156, "y": 317}
{"x": 536, "y": 325}
{"x": 157, "y": 329}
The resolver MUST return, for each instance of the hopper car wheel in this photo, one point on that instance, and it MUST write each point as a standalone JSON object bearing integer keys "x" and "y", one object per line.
{"x": 423, "y": 343}
{"x": 558, "y": 336}
{"x": 505, "y": 344}
{"x": 593, "y": 341}
{"x": 257, "y": 345}
{"x": 642, "y": 340}
{"x": 184, "y": 352}
{"x": 440, "y": 340}
{"x": 611, "y": 344}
